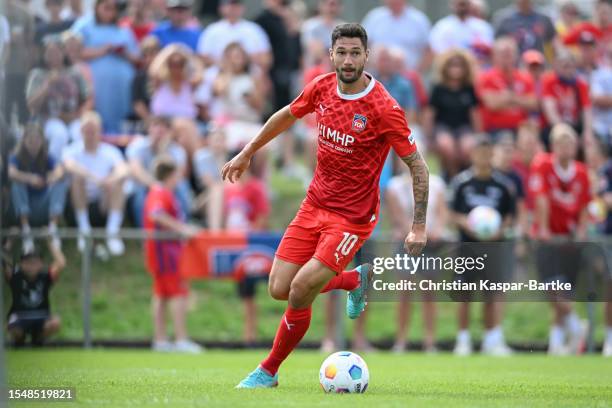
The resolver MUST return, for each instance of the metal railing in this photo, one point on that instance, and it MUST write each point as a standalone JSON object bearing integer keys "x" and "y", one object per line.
{"x": 141, "y": 234}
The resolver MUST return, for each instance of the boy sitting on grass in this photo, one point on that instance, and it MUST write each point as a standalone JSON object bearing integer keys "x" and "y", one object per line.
{"x": 163, "y": 213}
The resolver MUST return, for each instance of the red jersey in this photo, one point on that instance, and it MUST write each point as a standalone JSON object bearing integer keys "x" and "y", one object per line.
{"x": 161, "y": 255}
{"x": 568, "y": 191}
{"x": 570, "y": 98}
{"x": 139, "y": 31}
{"x": 524, "y": 172}
{"x": 355, "y": 134}
{"x": 510, "y": 117}
{"x": 245, "y": 203}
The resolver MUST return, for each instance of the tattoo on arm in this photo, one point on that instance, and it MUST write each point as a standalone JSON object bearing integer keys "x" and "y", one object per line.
{"x": 420, "y": 185}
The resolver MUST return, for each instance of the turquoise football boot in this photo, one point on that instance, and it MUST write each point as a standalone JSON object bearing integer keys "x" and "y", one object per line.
{"x": 356, "y": 299}
{"x": 259, "y": 379}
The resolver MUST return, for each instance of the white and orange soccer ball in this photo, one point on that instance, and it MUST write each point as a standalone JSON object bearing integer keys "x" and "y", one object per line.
{"x": 485, "y": 221}
{"x": 344, "y": 371}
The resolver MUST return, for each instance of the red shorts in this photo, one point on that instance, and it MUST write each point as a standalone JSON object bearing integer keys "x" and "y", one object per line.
{"x": 323, "y": 235}
{"x": 168, "y": 285}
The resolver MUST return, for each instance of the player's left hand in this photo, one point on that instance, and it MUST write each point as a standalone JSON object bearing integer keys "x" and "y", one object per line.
{"x": 234, "y": 168}
{"x": 415, "y": 241}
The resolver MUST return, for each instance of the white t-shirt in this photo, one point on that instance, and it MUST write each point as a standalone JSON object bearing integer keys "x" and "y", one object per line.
{"x": 141, "y": 149}
{"x": 401, "y": 186}
{"x": 409, "y": 31}
{"x": 601, "y": 84}
{"x": 101, "y": 162}
{"x": 219, "y": 35}
{"x": 234, "y": 104}
{"x": 315, "y": 29}
{"x": 452, "y": 32}
{"x": 205, "y": 164}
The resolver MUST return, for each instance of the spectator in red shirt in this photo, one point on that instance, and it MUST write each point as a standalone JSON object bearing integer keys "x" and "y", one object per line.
{"x": 246, "y": 204}
{"x": 534, "y": 64}
{"x": 506, "y": 93}
{"x": 162, "y": 213}
{"x": 561, "y": 188}
{"x": 566, "y": 98}
{"x": 138, "y": 19}
{"x": 527, "y": 147}
{"x": 247, "y": 208}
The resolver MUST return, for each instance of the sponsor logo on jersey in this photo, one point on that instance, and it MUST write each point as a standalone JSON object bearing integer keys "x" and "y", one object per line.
{"x": 359, "y": 123}
{"x": 342, "y": 139}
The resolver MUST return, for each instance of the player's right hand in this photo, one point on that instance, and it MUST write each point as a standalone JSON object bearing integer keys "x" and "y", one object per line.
{"x": 234, "y": 168}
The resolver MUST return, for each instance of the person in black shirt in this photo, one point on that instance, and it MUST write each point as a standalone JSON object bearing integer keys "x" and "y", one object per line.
{"x": 30, "y": 312}
{"x": 481, "y": 185}
{"x": 282, "y": 27}
{"x": 55, "y": 25}
{"x": 452, "y": 117}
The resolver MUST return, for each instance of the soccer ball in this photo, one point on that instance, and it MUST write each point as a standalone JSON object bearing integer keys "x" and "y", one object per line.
{"x": 344, "y": 372}
{"x": 485, "y": 221}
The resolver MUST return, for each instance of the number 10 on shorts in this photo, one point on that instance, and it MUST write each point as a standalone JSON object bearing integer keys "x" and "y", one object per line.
{"x": 347, "y": 243}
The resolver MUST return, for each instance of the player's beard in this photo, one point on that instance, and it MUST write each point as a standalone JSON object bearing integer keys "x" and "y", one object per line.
{"x": 356, "y": 75}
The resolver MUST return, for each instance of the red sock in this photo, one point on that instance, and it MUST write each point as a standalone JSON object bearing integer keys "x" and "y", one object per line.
{"x": 293, "y": 326}
{"x": 348, "y": 280}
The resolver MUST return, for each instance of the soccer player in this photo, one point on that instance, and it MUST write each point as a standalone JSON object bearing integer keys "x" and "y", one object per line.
{"x": 562, "y": 191}
{"x": 162, "y": 213}
{"x": 358, "y": 122}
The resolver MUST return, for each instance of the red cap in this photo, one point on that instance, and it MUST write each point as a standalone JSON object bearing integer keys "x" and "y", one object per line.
{"x": 583, "y": 33}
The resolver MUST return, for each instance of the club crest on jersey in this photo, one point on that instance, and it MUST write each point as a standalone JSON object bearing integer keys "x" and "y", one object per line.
{"x": 359, "y": 123}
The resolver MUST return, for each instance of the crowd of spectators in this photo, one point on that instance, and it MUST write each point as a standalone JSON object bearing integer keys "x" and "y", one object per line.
{"x": 105, "y": 91}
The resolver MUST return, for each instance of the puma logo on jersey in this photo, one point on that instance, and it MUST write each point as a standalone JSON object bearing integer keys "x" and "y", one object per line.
{"x": 322, "y": 108}
{"x": 337, "y": 258}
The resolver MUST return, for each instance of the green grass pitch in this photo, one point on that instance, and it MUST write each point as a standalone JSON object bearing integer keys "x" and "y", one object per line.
{"x": 104, "y": 378}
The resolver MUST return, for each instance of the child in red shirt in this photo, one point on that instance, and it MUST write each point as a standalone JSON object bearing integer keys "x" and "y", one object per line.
{"x": 162, "y": 213}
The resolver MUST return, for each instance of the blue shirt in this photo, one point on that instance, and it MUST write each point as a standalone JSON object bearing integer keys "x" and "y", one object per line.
{"x": 166, "y": 33}
{"x": 402, "y": 90}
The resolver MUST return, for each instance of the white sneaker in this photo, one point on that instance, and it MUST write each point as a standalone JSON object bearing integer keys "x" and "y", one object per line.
{"x": 187, "y": 346}
{"x": 558, "y": 351}
{"x": 28, "y": 244}
{"x": 463, "y": 348}
{"x": 327, "y": 346}
{"x": 115, "y": 246}
{"x": 101, "y": 252}
{"x": 81, "y": 240}
{"x": 398, "y": 348}
{"x": 500, "y": 349}
{"x": 56, "y": 242}
{"x": 162, "y": 346}
{"x": 577, "y": 339}
{"x": 431, "y": 350}
{"x": 607, "y": 349}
